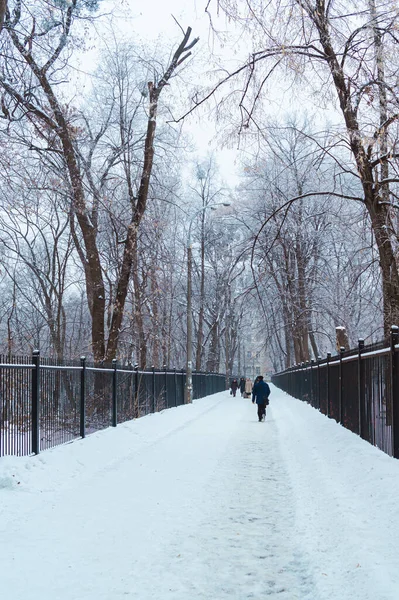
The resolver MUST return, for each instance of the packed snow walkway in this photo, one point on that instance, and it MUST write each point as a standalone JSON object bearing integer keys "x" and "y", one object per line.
{"x": 204, "y": 502}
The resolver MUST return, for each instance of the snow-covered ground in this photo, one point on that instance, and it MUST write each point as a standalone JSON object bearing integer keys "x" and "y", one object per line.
{"x": 204, "y": 502}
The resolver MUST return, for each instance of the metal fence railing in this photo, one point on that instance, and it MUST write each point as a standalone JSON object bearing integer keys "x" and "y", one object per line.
{"x": 44, "y": 403}
{"x": 358, "y": 388}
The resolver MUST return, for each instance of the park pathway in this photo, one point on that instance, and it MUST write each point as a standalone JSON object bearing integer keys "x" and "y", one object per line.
{"x": 202, "y": 502}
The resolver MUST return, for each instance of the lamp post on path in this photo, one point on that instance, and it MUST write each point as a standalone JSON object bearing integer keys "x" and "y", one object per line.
{"x": 188, "y": 390}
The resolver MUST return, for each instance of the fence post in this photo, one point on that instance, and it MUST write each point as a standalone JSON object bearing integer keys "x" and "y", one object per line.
{"x": 183, "y": 383}
{"x": 292, "y": 380}
{"x": 114, "y": 403}
{"x": 83, "y": 397}
{"x": 136, "y": 391}
{"x": 328, "y": 383}
{"x": 175, "y": 381}
{"x": 166, "y": 386}
{"x": 299, "y": 385}
{"x": 318, "y": 382}
{"x": 153, "y": 389}
{"x": 360, "y": 394}
{"x": 395, "y": 390}
{"x": 306, "y": 375}
{"x": 36, "y": 402}
{"x": 311, "y": 382}
{"x": 341, "y": 353}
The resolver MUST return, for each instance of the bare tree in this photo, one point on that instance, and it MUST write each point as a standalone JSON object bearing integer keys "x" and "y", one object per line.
{"x": 139, "y": 202}
{"x": 207, "y": 190}
{"x": 341, "y": 46}
{"x": 30, "y": 92}
{"x": 36, "y": 248}
{"x": 312, "y": 263}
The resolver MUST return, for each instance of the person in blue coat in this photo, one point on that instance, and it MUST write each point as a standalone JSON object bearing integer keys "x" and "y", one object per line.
{"x": 260, "y": 395}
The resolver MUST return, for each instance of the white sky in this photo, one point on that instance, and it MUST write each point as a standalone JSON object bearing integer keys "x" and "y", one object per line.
{"x": 203, "y": 502}
{"x": 153, "y": 22}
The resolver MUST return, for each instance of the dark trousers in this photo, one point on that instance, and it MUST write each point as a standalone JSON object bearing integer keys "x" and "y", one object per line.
{"x": 261, "y": 411}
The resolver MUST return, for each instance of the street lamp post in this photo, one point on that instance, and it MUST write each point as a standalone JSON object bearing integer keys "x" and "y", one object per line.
{"x": 189, "y": 354}
{"x": 188, "y": 390}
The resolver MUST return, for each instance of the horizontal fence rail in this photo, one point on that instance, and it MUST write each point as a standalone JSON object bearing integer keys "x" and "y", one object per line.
{"x": 44, "y": 404}
{"x": 358, "y": 388}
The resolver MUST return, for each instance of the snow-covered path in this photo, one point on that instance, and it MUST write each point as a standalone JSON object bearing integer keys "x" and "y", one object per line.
{"x": 204, "y": 502}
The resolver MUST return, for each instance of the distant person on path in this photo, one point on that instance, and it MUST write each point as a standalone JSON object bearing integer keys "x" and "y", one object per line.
{"x": 248, "y": 387}
{"x": 260, "y": 395}
{"x": 242, "y": 386}
{"x": 234, "y": 387}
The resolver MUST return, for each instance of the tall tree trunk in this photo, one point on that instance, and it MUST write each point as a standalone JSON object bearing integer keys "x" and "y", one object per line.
{"x": 379, "y": 214}
{"x": 200, "y": 334}
{"x": 53, "y": 117}
{"x": 10, "y": 337}
{"x": 380, "y": 218}
{"x": 212, "y": 363}
{"x": 165, "y": 336}
{"x": 138, "y": 310}
{"x": 383, "y": 101}
{"x": 302, "y": 323}
{"x": 287, "y": 335}
{"x": 155, "y": 326}
{"x": 155, "y": 89}
{"x": 91, "y": 257}
{"x": 313, "y": 343}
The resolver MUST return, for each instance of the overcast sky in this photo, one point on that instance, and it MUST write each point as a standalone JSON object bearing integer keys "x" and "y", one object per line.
{"x": 155, "y": 21}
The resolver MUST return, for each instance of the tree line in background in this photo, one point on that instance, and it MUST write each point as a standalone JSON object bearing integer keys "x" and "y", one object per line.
{"x": 96, "y": 200}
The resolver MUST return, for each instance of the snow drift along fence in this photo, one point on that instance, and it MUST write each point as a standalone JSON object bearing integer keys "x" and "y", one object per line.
{"x": 44, "y": 403}
{"x": 358, "y": 388}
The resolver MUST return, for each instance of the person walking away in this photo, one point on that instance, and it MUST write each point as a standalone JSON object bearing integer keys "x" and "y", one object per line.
{"x": 260, "y": 395}
{"x": 242, "y": 386}
{"x": 248, "y": 387}
{"x": 234, "y": 387}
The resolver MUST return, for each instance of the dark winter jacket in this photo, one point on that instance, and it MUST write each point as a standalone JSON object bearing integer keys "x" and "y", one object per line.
{"x": 260, "y": 392}
{"x": 234, "y": 385}
{"x": 242, "y": 385}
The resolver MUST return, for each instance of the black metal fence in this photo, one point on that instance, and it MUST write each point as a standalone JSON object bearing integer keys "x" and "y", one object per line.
{"x": 44, "y": 403}
{"x": 358, "y": 388}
